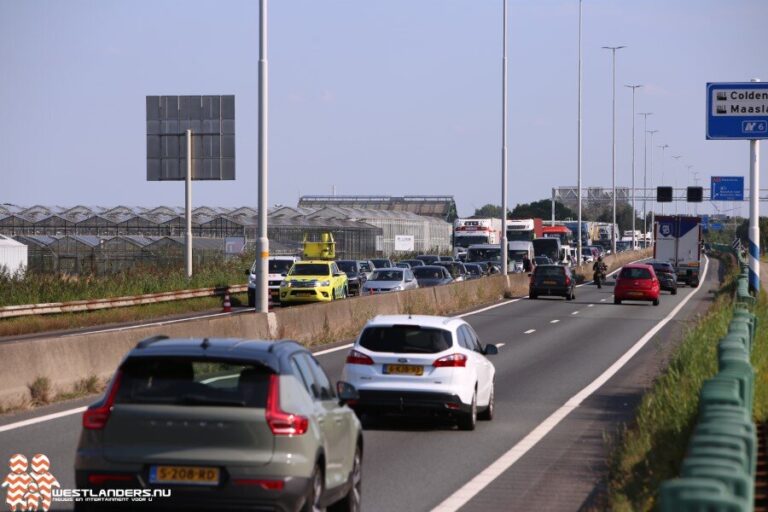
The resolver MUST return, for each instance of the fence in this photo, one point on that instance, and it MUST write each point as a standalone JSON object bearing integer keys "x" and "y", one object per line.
{"x": 718, "y": 472}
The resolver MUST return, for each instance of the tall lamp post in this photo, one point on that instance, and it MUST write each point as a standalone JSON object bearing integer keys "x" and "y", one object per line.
{"x": 262, "y": 246}
{"x": 653, "y": 210}
{"x": 504, "y": 249}
{"x": 663, "y": 148}
{"x": 645, "y": 173}
{"x": 578, "y": 153}
{"x": 613, "y": 140}
{"x": 634, "y": 236}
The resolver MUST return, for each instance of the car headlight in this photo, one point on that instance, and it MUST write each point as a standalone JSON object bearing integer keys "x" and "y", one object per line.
{"x": 324, "y": 283}
{"x": 398, "y": 288}
{"x": 286, "y": 284}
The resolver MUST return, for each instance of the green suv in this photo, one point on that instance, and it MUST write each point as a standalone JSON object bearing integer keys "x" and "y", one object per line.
{"x": 223, "y": 424}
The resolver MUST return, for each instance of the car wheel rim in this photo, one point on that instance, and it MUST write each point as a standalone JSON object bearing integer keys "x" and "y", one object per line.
{"x": 357, "y": 484}
{"x": 317, "y": 492}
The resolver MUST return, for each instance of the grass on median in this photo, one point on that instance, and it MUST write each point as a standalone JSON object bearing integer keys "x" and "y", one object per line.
{"x": 760, "y": 360}
{"x": 651, "y": 449}
{"x": 45, "y": 323}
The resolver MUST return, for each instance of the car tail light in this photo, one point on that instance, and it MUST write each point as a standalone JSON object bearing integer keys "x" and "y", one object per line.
{"x": 567, "y": 281}
{"x": 453, "y": 360}
{"x": 96, "y": 416}
{"x": 356, "y": 357}
{"x": 102, "y": 478}
{"x": 267, "y": 485}
{"x": 282, "y": 423}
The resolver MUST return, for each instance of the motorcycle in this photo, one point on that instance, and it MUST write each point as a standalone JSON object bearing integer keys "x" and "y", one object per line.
{"x": 599, "y": 276}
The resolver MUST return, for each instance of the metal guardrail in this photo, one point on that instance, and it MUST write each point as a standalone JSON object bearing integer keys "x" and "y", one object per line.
{"x": 116, "y": 302}
{"x": 719, "y": 470}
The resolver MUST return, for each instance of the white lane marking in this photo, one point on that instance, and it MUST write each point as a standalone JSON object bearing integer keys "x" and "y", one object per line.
{"x": 575, "y": 313}
{"x": 503, "y": 463}
{"x": 334, "y": 349}
{"x": 47, "y": 417}
{"x": 499, "y": 345}
{"x": 554, "y": 321}
{"x": 529, "y": 331}
{"x": 590, "y": 305}
{"x": 603, "y": 300}
{"x": 494, "y": 306}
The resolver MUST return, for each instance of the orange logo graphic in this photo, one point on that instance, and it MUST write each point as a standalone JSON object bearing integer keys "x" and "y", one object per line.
{"x": 29, "y": 491}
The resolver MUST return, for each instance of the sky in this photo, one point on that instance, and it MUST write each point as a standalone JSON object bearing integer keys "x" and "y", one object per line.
{"x": 375, "y": 97}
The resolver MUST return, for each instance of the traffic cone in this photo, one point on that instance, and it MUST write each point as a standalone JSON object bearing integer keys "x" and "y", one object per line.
{"x": 227, "y": 306}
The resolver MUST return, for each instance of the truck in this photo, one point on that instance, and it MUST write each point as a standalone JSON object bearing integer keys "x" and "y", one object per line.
{"x": 587, "y": 235}
{"x": 515, "y": 253}
{"x": 468, "y": 232}
{"x": 678, "y": 241}
{"x": 524, "y": 230}
{"x": 561, "y": 232}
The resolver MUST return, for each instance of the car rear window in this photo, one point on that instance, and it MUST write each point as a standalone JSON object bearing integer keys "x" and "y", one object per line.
{"x": 428, "y": 273}
{"x": 186, "y": 381}
{"x": 404, "y": 339}
{"x": 550, "y": 271}
{"x": 635, "y": 273}
{"x": 663, "y": 267}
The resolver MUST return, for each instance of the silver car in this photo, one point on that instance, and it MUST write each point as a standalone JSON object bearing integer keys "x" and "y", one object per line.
{"x": 390, "y": 280}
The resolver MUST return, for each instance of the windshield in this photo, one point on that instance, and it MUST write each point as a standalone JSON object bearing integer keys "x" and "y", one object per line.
{"x": 365, "y": 266}
{"x": 311, "y": 269}
{"x": 350, "y": 267}
{"x": 387, "y": 275}
{"x": 185, "y": 381}
{"x": 466, "y": 241}
{"x": 473, "y": 269}
{"x": 428, "y": 273}
{"x": 484, "y": 254}
{"x": 519, "y": 236}
{"x": 279, "y": 266}
{"x": 404, "y": 339}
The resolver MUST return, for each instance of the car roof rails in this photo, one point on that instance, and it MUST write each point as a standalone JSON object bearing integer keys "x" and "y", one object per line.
{"x": 152, "y": 339}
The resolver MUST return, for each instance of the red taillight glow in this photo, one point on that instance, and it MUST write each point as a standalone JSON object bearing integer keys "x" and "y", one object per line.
{"x": 282, "y": 423}
{"x": 356, "y": 357}
{"x": 567, "y": 281}
{"x": 453, "y": 360}
{"x": 95, "y": 417}
{"x": 268, "y": 485}
{"x": 101, "y": 479}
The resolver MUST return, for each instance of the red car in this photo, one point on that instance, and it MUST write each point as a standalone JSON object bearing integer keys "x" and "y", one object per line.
{"x": 637, "y": 282}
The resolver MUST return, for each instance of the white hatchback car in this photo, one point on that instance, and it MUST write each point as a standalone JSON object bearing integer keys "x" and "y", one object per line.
{"x": 422, "y": 365}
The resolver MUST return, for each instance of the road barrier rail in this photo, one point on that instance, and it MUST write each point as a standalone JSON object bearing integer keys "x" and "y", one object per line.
{"x": 116, "y": 302}
{"x": 718, "y": 472}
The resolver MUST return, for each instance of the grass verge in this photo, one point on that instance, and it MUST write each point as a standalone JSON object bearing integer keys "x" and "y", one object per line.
{"x": 44, "y": 323}
{"x": 760, "y": 360}
{"x": 651, "y": 449}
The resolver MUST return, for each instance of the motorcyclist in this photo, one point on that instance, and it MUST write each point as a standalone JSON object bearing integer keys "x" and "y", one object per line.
{"x": 599, "y": 269}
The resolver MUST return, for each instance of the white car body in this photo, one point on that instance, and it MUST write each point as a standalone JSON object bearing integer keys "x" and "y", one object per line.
{"x": 440, "y": 388}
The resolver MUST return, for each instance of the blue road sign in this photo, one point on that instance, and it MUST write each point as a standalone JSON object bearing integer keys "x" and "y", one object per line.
{"x": 705, "y": 222}
{"x": 715, "y": 226}
{"x": 727, "y": 188}
{"x": 737, "y": 110}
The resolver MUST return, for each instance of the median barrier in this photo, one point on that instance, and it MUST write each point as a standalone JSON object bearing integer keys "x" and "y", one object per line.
{"x": 67, "y": 360}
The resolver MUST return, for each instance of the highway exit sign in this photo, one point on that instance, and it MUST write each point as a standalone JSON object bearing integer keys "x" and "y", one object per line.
{"x": 737, "y": 110}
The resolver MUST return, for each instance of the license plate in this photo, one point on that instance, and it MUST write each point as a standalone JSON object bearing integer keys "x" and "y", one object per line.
{"x": 634, "y": 294}
{"x": 192, "y": 475}
{"x": 403, "y": 369}
{"x": 550, "y": 282}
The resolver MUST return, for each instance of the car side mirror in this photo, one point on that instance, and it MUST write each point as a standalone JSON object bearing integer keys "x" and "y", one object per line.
{"x": 346, "y": 392}
{"x": 490, "y": 350}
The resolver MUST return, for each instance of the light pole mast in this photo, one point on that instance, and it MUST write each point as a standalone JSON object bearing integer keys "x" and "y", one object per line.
{"x": 504, "y": 250}
{"x": 578, "y": 153}
{"x": 634, "y": 215}
{"x": 262, "y": 245}
{"x": 674, "y": 182}
{"x": 663, "y": 163}
{"x": 645, "y": 174}
{"x": 653, "y": 210}
{"x": 613, "y": 140}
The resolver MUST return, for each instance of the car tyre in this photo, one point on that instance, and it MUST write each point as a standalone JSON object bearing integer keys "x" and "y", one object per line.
{"x": 468, "y": 420}
{"x": 487, "y": 413}
{"x": 616, "y": 300}
{"x": 315, "y": 494}
{"x": 352, "y": 501}
{"x": 655, "y": 302}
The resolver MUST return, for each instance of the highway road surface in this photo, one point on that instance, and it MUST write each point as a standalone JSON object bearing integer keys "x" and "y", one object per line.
{"x": 566, "y": 373}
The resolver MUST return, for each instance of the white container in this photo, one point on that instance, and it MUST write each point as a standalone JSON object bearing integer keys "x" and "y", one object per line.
{"x": 13, "y": 255}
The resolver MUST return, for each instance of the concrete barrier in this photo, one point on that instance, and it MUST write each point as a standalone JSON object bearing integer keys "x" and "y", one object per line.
{"x": 67, "y": 360}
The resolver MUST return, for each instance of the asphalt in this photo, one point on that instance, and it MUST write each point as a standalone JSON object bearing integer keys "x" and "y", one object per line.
{"x": 416, "y": 465}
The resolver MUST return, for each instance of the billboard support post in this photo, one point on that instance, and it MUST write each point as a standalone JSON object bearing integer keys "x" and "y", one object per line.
{"x": 188, "y": 206}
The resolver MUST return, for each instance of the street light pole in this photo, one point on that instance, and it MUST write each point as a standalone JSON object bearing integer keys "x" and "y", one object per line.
{"x": 504, "y": 249}
{"x": 634, "y": 215}
{"x": 663, "y": 149}
{"x": 262, "y": 245}
{"x": 613, "y": 140}
{"x": 674, "y": 182}
{"x": 578, "y": 152}
{"x": 645, "y": 175}
{"x": 653, "y": 210}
